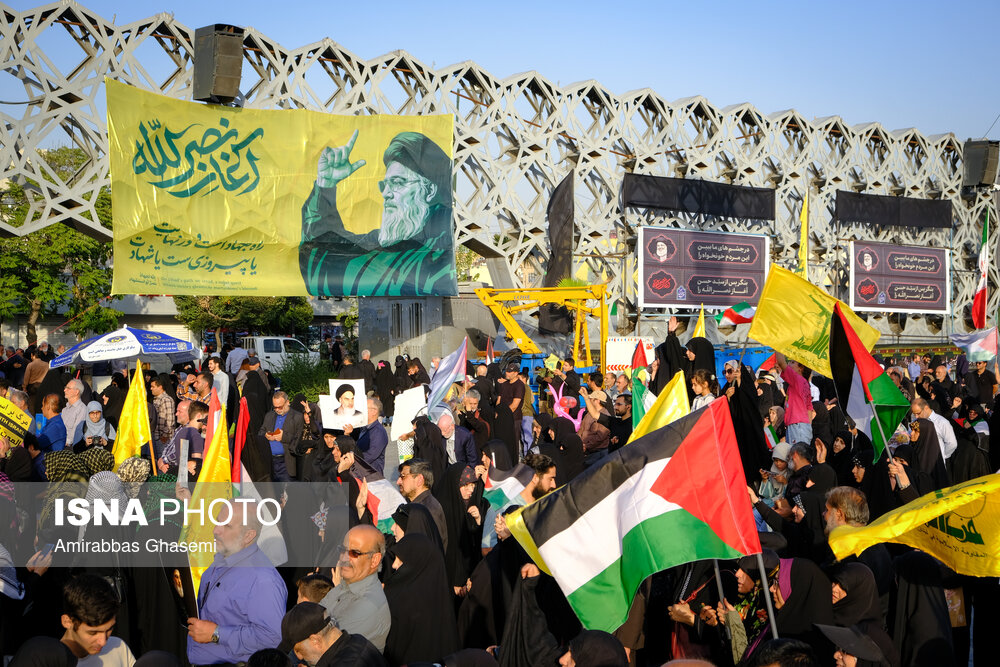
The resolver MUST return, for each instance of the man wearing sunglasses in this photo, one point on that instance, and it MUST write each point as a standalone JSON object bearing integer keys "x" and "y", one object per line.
{"x": 356, "y": 599}
{"x": 411, "y": 253}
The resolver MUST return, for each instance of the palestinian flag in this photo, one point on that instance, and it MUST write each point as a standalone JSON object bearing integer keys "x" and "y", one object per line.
{"x": 503, "y": 485}
{"x": 741, "y": 313}
{"x": 864, "y": 389}
{"x": 979, "y": 300}
{"x": 978, "y": 345}
{"x": 673, "y": 496}
{"x": 642, "y": 398}
{"x": 383, "y": 497}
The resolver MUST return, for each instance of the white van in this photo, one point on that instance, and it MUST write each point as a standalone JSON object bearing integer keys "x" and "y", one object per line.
{"x": 274, "y": 350}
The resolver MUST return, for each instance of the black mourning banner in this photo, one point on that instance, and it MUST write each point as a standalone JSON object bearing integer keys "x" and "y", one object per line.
{"x": 897, "y": 278}
{"x": 699, "y": 197}
{"x": 553, "y": 319}
{"x": 893, "y": 211}
{"x": 680, "y": 268}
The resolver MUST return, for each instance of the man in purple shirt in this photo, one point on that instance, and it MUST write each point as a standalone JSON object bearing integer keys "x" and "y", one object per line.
{"x": 241, "y": 599}
{"x": 798, "y": 423}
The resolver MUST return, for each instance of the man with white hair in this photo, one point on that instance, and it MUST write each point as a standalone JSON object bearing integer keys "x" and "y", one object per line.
{"x": 411, "y": 253}
{"x": 241, "y": 599}
{"x": 75, "y": 413}
{"x": 368, "y": 370}
{"x": 459, "y": 445}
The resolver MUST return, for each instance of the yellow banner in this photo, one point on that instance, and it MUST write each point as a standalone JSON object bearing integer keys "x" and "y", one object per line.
{"x": 14, "y": 422}
{"x": 669, "y": 406}
{"x": 793, "y": 316}
{"x": 960, "y": 526}
{"x": 218, "y": 200}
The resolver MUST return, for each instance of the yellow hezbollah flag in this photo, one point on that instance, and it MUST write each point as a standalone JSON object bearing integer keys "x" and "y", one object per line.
{"x": 793, "y": 316}
{"x": 803, "y": 269}
{"x": 227, "y": 201}
{"x": 214, "y": 483}
{"x": 960, "y": 526}
{"x": 699, "y": 328}
{"x": 133, "y": 425}
{"x": 670, "y": 405}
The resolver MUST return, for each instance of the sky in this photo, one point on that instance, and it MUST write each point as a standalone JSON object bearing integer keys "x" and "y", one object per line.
{"x": 928, "y": 65}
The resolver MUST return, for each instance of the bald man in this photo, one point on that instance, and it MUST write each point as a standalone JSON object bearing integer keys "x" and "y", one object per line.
{"x": 356, "y": 599}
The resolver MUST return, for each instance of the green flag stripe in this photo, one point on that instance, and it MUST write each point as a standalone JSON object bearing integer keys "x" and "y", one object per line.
{"x": 603, "y": 602}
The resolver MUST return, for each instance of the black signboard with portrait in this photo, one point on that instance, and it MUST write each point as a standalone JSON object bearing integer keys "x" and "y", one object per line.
{"x": 682, "y": 268}
{"x": 896, "y": 278}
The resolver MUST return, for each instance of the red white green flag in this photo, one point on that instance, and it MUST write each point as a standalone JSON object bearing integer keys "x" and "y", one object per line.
{"x": 741, "y": 313}
{"x": 863, "y": 387}
{"x": 980, "y": 299}
{"x": 619, "y": 522}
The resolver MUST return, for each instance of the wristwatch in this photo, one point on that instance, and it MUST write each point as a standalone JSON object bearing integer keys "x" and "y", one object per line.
{"x": 215, "y": 636}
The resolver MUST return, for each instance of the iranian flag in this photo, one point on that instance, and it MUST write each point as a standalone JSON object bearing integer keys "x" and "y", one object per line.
{"x": 620, "y": 521}
{"x": 979, "y": 300}
{"x": 863, "y": 387}
{"x": 503, "y": 485}
{"x": 741, "y": 313}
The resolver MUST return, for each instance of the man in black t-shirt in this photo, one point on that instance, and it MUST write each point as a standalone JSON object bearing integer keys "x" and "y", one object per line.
{"x": 987, "y": 383}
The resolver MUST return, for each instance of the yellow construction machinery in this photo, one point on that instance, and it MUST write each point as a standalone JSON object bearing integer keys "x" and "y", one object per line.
{"x": 506, "y": 302}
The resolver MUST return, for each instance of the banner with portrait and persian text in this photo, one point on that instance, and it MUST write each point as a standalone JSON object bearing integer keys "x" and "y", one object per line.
{"x": 219, "y": 200}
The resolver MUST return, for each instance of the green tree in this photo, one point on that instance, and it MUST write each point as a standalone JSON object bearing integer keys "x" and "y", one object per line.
{"x": 57, "y": 266}
{"x": 267, "y": 314}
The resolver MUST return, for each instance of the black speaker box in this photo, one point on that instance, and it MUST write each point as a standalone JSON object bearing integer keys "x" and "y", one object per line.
{"x": 981, "y": 159}
{"x": 218, "y": 62}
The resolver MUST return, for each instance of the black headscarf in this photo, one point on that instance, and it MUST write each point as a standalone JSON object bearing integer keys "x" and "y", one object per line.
{"x": 566, "y": 450}
{"x": 415, "y": 519}
{"x": 464, "y": 536}
{"x": 929, "y": 460}
{"x": 402, "y": 376}
{"x": 704, "y": 356}
{"x": 861, "y": 602}
{"x": 420, "y": 603}
{"x": 116, "y": 401}
{"x": 386, "y": 387}
{"x": 499, "y": 454}
{"x": 921, "y": 626}
{"x": 595, "y": 648}
{"x": 54, "y": 382}
{"x": 428, "y": 444}
{"x": 875, "y": 484}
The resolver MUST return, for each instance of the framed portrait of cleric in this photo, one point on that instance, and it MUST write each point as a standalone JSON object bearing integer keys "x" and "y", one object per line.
{"x": 681, "y": 268}
{"x": 346, "y": 404}
{"x": 181, "y": 586}
{"x": 888, "y": 278}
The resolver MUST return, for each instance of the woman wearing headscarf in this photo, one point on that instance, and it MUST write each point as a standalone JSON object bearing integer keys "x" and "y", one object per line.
{"x": 416, "y": 519}
{"x": 428, "y": 445}
{"x": 312, "y": 426}
{"x": 871, "y": 477}
{"x": 856, "y": 603}
{"x": 113, "y": 398}
{"x": 822, "y": 427}
{"x": 386, "y": 388}
{"x": 67, "y": 475}
{"x": 840, "y": 457}
{"x": 417, "y": 373}
{"x": 461, "y": 496}
{"x": 401, "y": 373}
{"x": 97, "y": 431}
{"x": 497, "y": 452}
{"x": 416, "y": 582}
{"x": 776, "y": 422}
{"x": 776, "y": 479}
{"x": 748, "y": 622}
{"x": 927, "y": 451}
{"x": 921, "y": 627}
{"x": 566, "y": 449}
{"x": 747, "y": 423}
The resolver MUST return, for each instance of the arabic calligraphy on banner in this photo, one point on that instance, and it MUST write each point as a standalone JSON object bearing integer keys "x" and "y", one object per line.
{"x": 888, "y": 278}
{"x": 219, "y": 200}
{"x": 687, "y": 268}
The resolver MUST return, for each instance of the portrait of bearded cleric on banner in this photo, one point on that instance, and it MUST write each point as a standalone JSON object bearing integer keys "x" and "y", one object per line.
{"x": 411, "y": 253}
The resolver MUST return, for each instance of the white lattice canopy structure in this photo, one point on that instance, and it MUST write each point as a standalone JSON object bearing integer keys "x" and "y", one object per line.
{"x": 516, "y": 138}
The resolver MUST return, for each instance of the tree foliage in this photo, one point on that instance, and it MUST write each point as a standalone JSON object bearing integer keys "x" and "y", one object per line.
{"x": 56, "y": 267}
{"x": 267, "y": 314}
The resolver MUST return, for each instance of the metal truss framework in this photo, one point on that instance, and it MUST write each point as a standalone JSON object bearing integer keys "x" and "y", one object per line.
{"x": 515, "y": 139}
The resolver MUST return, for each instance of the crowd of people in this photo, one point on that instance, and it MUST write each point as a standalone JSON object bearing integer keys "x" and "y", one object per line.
{"x": 446, "y": 583}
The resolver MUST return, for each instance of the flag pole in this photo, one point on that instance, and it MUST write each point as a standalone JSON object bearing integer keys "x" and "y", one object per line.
{"x": 885, "y": 443}
{"x": 767, "y": 596}
{"x": 722, "y": 594}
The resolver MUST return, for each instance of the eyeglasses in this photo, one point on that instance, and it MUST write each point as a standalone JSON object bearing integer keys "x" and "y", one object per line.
{"x": 353, "y": 553}
{"x": 395, "y": 183}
